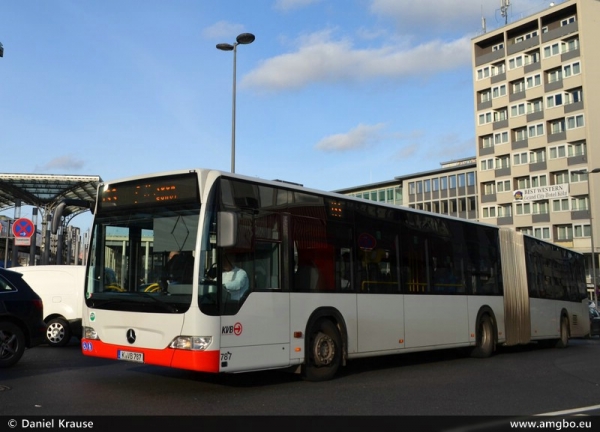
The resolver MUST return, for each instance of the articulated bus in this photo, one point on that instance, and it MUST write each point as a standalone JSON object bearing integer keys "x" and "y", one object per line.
{"x": 330, "y": 278}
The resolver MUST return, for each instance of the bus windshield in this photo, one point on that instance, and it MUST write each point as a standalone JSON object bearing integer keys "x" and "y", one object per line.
{"x": 143, "y": 261}
{"x": 142, "y": 246}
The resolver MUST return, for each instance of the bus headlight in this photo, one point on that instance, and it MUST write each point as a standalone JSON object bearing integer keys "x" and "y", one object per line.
{"x": 192, "y": 343}
{"x": 90, "y": 333}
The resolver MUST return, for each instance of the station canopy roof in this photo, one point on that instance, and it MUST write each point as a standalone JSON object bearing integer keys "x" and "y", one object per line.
{"x": 47, "y": 191}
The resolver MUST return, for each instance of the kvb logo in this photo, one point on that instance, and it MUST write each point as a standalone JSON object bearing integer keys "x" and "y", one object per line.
{"x": 235, "y": 329}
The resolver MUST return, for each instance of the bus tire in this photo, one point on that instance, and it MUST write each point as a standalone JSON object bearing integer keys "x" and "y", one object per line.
{"x": 486, "y": 341}
{"x": 324, "y": 354}
{"x": 563, "y": 340}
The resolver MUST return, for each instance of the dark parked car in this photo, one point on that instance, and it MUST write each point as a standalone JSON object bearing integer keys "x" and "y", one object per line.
{"x": 594, "y": 322}
{"x": 21, "y": 318}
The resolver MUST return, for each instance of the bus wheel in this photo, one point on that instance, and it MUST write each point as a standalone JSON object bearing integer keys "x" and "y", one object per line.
{"x": 324, "y": 352}
{"x": 563, "y": 341}
{"x": 485, "y": 338}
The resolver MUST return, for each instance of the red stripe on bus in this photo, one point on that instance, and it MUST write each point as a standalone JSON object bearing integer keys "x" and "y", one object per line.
{"x": 201, "y": 361}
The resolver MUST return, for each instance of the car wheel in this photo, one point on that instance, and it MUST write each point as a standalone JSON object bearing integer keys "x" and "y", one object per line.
{"x": 12, "y": 344}
{"x": 58, "y": 333}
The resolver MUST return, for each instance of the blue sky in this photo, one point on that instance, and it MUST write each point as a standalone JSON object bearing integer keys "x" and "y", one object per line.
{"x": 331, "y": 94}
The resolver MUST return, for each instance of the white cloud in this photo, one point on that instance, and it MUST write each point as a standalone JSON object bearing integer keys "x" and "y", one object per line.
{"x": 359, "y": 137}
{"x": 434, "y": 16}
{"x": 63, "y": 163}
{"x": 321, "y": 59}
{"x": 223, "y": 29}
{"x": 286, "y": 5}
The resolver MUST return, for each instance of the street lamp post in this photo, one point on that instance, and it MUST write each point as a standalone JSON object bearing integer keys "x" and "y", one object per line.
{"x": 244, "y": 39}
{"x": 594, "y": 171}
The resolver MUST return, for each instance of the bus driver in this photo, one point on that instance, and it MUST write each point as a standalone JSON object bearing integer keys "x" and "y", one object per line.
{"x": 234, "y": 278}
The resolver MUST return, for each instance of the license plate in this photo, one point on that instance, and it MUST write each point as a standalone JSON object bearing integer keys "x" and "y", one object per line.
{"x": 130, "y": 356}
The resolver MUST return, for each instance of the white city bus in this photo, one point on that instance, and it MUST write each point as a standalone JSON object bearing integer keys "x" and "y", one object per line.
{"x": 330, "y": 278}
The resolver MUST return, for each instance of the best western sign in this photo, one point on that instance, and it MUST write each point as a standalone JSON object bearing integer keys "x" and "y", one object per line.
{"x": 542, "y": 193}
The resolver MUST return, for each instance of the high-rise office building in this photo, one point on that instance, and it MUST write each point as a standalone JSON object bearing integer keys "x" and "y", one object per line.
{"x": 537, "y": 102}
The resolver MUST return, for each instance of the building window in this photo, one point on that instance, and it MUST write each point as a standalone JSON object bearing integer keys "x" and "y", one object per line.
{"x": 486, "y": 164}
{"x": 435, "y": 184}
{"x": 541, "y": 207}
{"x": 573, "y": 96}
{"x": 501, "y": 138}
{"x": 483, "y": 73}
{"x": 532, "y": 57}
{"x": 559, "y": 205}
{"x": 566, "y": 21}
{"x": 517, "y": 110}
{"x": 518, "y": 86}
{"x": 523, "y": 208}
{"x": 552, "y": 50}
{"x": 576, "y": 149}
{"x": 522, "y": 182}
{"x": 554, "y": 75}
{"x": 485, "y": 95}
{"x": 489, "y": 188}
{"x": 579, "y": 203}
{"x": 520, "y": 134}
{"x": 560, "y": 177}
{"x": 515, "y": 62}
{"x": 461, "y": 180}
{"x": 554, "y": 100}
{"x": 533, "y": 81}
{"x": 542, "y": 233}
{"x": 541, "y": 180}
{"x": 452, "y": 181}
{"x": 485, "y": 118}
{"x": 443, "y": 183}
{"x": 471, "y": 178}
{"x": 577, "y": 178}
{"x": 489, "y": 212}
{"x": 574, "y": 122}
{"x": 570, "y": 45}
{"x": 505, "y": 210}
{"x": 427, "y": 185}
{"x": 564, "y": 232}
{"x": 499, "y": 91}
{"x": 537, "y": 155}
{"x": 557, "y": 126}
{"x": 535, "y": 106}
{"x": 558, "y": 152}
{"x": 503, "y": 186}
{"x": 503, "y": 162}
{"x": 581, "y": 231}
{"x": 500, "y": 115}
{"x": 571, "y": 69}
{"x": 535, "y": 130}
{"x": 521, "y": 158}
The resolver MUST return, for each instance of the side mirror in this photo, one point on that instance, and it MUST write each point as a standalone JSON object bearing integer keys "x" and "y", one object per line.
{"x": 227, "y": 229}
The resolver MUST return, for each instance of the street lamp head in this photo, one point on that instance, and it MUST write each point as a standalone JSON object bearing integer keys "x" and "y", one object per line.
{"x": 595, "y": 170}
{"x": 245, "y": 38}
{"x": 225, "y": 47}
{"x": 1, "y": 50}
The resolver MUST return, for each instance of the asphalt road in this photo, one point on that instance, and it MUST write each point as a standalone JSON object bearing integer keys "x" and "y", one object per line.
{"x": 517, "y": 381}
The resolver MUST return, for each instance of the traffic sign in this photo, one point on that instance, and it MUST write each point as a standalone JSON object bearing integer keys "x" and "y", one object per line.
{"x": 23, "y": 228}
